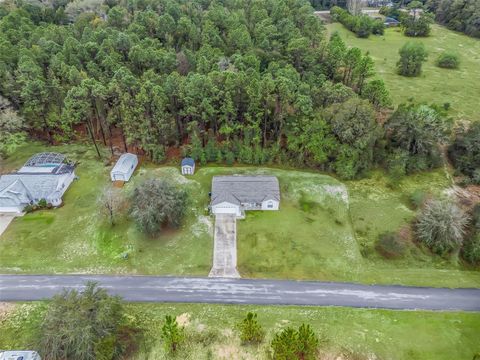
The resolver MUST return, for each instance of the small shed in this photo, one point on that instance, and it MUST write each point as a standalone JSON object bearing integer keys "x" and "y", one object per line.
{"x": 391, "y": 22}
{"x": 188, "y": 166}
{"x": 124, "y": 168}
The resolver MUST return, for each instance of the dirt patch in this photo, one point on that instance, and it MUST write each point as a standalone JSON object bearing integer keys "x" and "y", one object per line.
{"x": 231, "y": 352}
{"x": 183, "y": 319}
{"x": 6, "y": 309}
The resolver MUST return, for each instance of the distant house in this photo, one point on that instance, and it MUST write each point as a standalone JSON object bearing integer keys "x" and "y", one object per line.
{"x": 236, "y": 194}
{"x": 188, "y": 166}
{"x": 19, "y": 355}
{"x": 44, "y": 176}
{"x": 124, "y": 167}
{"x": 391, "y": 22}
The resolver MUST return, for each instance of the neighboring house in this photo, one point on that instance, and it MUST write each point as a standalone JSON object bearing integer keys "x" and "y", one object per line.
{"x": 188, "y": 166}
{"x": 124, "y": 167}
{"x": 235, "y": 194}
{"x": 19, "y": 355}
{"x": 44, "y": 176}
{"x": 391, "y": 22}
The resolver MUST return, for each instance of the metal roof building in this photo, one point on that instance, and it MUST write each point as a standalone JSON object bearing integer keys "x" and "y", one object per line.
{"x": 124, "y": 167}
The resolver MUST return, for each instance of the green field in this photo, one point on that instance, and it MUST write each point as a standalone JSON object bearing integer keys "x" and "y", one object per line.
{"x": 367, "y": 334}
{"x": 324, "y": 230}
{"x": 460, "y": 88}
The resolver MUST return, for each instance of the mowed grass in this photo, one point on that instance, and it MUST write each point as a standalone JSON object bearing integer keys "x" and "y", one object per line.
{"x": 324, "y": 230}
{"x": 460, "y": 88}
{"x": 369, "y": 334}
{"x": 75, "y": 238}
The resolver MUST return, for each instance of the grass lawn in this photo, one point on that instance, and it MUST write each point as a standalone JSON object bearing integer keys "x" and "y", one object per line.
{"x": 325, "y": 230}
{"x": 369, "y": 334}
{"x": 460, "y": 88}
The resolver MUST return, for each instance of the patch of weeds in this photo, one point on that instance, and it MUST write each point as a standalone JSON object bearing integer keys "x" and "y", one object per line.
{"x": 391, "y": 245}
{"x": 307, "y": 205}
{"x": 365, "y": 250}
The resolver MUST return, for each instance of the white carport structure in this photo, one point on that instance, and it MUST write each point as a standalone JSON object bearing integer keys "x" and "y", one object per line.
{"x": 124, "y": 167}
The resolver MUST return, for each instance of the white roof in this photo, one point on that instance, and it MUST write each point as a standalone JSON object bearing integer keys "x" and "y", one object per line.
{"x": 15, "y": 355}
{"x": 239, "y": 189}
{"x": 125, "y": 163}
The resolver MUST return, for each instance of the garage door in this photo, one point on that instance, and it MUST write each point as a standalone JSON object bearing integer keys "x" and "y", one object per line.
{"x": 11, "y": 209}
{"x": 225, "y": 210}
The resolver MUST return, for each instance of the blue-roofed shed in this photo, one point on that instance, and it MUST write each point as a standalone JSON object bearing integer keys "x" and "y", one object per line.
{"x": 188, "y": 166}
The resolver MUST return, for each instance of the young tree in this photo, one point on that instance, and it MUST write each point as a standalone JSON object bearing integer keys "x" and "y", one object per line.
{"x": 291, "y": 344}
{"x": 12, "y": 132}
{"x": 448, "y": 60}
{"x": 75, "y": 323}
{"x": 251, "y": 331}
{"x": 158, "y": 202}
{"x": 441, "y": 226}
{"x": 172, "y": 334}
{"x": 112, "y": 203}
{"x": 412, "y": 56}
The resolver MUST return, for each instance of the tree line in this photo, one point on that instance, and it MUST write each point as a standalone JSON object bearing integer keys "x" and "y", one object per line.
{"x": 242, "y": 75}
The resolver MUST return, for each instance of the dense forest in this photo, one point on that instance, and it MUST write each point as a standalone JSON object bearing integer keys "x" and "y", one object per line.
{"x": 253, "y": 81}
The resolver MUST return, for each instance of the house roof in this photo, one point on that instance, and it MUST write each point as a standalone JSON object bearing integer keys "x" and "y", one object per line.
{"x": 39, "y": 186}
{"x": 188, "y": 162}
{"x": 239, "y": 189}
{"x": 390, "y": 20}
{"x": 15, "y": 193}
{"x": 15, "y": 355}
{"x": 124, "y": 163}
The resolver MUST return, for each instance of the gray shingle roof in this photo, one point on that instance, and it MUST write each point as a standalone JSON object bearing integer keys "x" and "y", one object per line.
{"x": 38, "y": 185}
{"x": 239, "y": 189}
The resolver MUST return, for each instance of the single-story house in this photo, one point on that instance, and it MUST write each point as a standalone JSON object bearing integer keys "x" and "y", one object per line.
{"x": 391, "y": 22}
{"x": 188, "y": 166}
{"x": 238, "y": 193}
{"x": 124, "y": 167}
{"x": 44, "y": 176}
{"x": 19, "y": 355}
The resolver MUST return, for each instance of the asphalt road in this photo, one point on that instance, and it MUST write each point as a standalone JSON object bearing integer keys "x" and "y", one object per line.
{"x": 244, "y": 291}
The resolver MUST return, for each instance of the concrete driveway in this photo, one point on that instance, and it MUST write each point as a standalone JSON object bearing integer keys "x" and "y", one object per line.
{"x": 225, "y": 247}
{"x": 5, "y": 220}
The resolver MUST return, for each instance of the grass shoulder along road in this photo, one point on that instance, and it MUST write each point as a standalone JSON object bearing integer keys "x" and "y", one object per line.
{"x": 346, "y": 333}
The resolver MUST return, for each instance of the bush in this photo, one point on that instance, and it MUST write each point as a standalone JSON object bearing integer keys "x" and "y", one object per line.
{"x": 251, "y": 331}
{"x": 156, "y": 203}
{"x": 42, "y": 203}
{"x": 292, "y": 344}
{"x": 82, "y": 325}
{"x": 391, "y": 245}
{"x": 471, "y": 250}
{"x": 448, "y": 60}
{"x": 441, "y": 226}
{"x": 412, "y": 57}
{"x": 465, "y": 152}
{"x": 418, "y": 198}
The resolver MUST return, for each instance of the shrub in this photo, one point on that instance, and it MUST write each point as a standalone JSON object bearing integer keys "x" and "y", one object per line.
{"x": 448, "y": 60}
{"x": 156, "y": 203}
{"x": 292, "y": 344}
{"x": 391, "y": 245}
{"x": 42, "y": 203}
{"x": 251, "y": 331}
{"x": 471, "y": 250}
{"x": 172, "y": 334}
{"x": 441, "y": 226}
{"x": 418, "y": 198}
{"x": 82, "y": 325}
{"x": 465, "y": 152}
{"x": 412, "y": 56}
